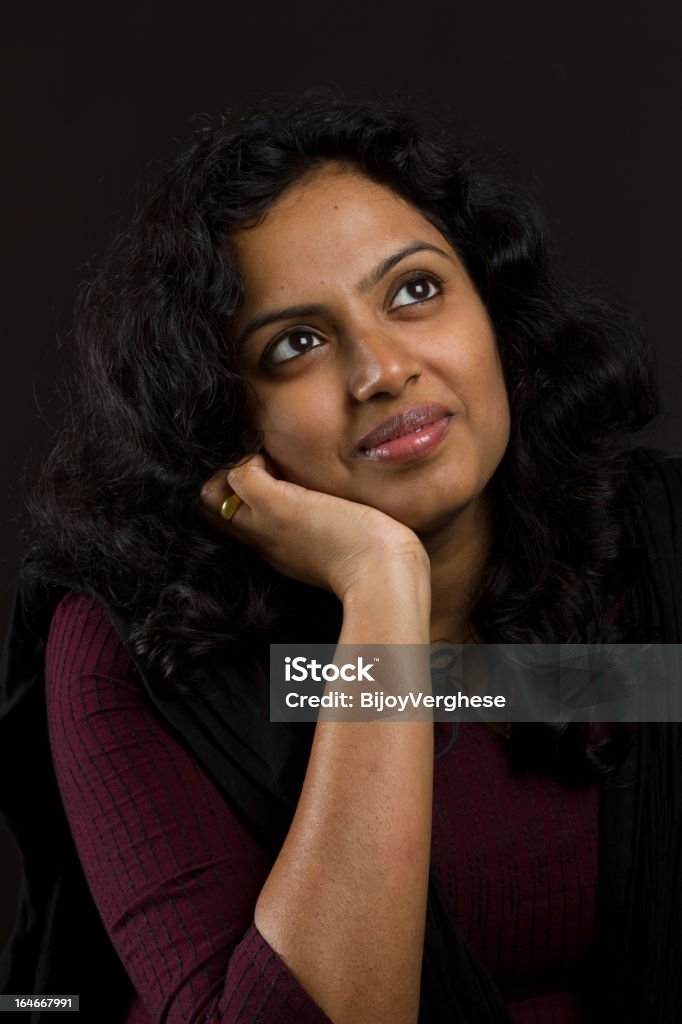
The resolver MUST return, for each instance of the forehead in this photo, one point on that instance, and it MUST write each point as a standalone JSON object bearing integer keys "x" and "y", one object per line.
{"x": 332, "y": 227}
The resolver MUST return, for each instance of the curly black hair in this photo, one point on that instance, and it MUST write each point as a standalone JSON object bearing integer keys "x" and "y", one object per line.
{"x": 157, "y": 393}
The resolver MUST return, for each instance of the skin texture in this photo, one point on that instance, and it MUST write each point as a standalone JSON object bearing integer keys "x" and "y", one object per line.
{"x": 400, "y": 544}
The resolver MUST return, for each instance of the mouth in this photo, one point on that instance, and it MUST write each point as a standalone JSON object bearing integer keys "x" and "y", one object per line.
{"x": 408, "y": 435}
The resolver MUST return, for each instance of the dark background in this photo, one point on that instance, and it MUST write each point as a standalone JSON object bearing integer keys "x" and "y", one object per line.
{"x": 582, "y": 96}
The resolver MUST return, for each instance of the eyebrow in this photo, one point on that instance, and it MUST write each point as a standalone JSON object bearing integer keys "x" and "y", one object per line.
{"x": 364, "y": 285}
{"x": 373, "y": 278}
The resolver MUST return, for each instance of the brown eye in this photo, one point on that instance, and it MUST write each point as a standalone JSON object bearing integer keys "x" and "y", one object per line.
{"x": 418, "y": 289}
{"x": 292, "y": 344}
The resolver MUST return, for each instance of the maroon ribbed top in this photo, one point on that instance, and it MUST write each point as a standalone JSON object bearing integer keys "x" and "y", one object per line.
{"x": 175, "y": 876}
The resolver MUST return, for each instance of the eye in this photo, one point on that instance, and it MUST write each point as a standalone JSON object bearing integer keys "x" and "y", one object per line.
{"x": 417, "y": 289}
{"x": 290, "y": 345}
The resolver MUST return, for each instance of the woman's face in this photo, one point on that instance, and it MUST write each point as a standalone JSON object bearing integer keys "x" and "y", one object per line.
{"x": 373, "y": 366}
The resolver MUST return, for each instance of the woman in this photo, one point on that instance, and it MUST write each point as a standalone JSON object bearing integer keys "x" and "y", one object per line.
{"x": 332, "y": 388}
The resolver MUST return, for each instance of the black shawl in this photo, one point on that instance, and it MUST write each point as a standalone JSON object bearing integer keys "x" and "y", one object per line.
{"x": 59, "y": 945}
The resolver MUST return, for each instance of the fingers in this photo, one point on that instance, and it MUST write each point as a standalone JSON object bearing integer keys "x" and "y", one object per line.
{"x": 252, "y": 481}
{"x": 236, "y": 480}
{"x": 219, "y": 502}
{"x": 230, "y": 506}
{"x": 232, "y": 493}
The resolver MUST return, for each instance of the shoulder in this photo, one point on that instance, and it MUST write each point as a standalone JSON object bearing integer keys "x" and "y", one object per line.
{"x": 82, "y": 642}
{"x": 98, "y": 712}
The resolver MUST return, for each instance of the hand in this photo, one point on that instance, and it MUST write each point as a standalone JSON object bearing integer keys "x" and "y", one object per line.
{"x": 313, "y": 537}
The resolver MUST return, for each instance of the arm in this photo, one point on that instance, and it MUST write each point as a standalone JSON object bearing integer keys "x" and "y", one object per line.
{"x": 344, "y": 905}
{"x": 345, "y": 902}
{"x": 173, "y": 872}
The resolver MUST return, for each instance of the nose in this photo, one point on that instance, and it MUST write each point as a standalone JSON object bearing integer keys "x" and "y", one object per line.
{"x": 380, "y": 364}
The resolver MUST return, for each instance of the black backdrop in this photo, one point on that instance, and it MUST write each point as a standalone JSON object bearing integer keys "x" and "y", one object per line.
{"x": 581, "y": 94}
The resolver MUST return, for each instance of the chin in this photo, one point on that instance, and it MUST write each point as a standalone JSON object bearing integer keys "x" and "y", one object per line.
{"x": 424, "y": 520}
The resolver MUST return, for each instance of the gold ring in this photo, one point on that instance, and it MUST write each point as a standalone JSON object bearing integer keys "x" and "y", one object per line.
{"x": 230, "y": 506}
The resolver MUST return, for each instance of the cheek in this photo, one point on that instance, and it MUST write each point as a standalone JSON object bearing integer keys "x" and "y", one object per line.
{"x": 283, "y": 416}
{"x": 474, "y": 365}
{"x": 297, "y": 433}
{"x": 499, "y": 420}
{"x": 263, "y": 409}
{"x": 493, "y": 390}
{"x": 484, "y": 389}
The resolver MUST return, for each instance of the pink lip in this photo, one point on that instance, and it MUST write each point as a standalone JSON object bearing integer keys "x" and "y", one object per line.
{"x": 409, "y": 435}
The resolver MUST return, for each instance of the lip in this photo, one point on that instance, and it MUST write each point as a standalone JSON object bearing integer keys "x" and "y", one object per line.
{"x": 409, "y": 434}
{"x": 404, "y": 422}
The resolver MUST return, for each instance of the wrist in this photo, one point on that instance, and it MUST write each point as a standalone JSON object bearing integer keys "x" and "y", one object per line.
{"x": 389, "y": 603}
{"x": 401, "y": 567}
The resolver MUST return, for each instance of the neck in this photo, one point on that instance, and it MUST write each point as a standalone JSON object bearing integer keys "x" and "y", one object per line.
{"x": 458, "y": 552}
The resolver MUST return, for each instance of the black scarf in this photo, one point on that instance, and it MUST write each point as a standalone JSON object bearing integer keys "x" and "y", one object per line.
{"x": 60, "y": 946}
